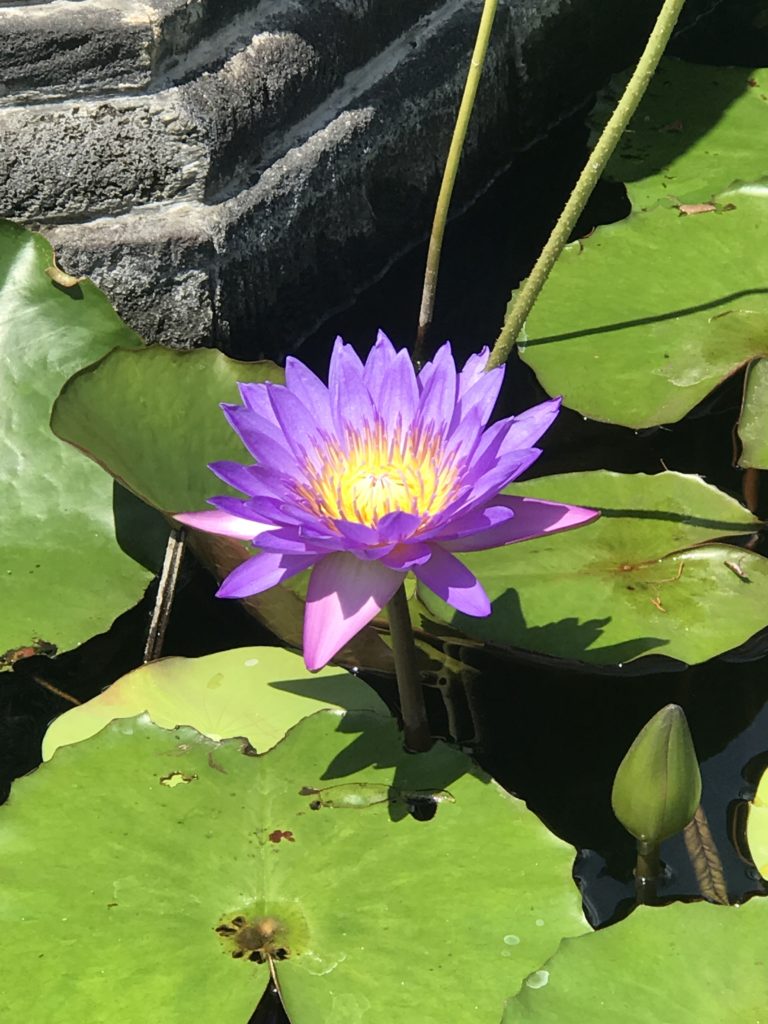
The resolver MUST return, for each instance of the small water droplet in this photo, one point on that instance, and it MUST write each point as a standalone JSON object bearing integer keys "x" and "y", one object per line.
{"x": 539, "y": 922}
{"x": 506, "y": 952}
{"x": 512, "y": 940}
{"x": 538, "y": 979}
{"x": 251, "y": 662}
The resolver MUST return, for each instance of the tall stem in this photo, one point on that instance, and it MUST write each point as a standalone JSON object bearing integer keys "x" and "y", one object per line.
{"x": 415, "y": 726}
{"x": 584, "y": 187}
{"x": 449, "y": 175}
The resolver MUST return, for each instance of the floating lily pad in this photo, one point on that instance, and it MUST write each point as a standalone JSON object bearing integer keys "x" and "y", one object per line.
{"x": 64, "y": 575}
{"x": 687, "y": 963}
{"x": 629, "y": 584}
{"x": 643, "y": 319}
{"x": 179, "y": 862}
{"x": 757, "y": 826}
{"x": 152, "y": 419}
{"x": 255, "y": 692}
{"x": 697, "y": 131}
{"x": 753, "y": 422}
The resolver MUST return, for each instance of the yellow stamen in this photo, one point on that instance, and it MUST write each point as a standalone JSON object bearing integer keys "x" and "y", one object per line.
{"x": 378, "y": 474}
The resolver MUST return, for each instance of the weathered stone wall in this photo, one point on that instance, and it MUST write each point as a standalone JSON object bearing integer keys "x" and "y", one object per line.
{"x": 227, "y": 170}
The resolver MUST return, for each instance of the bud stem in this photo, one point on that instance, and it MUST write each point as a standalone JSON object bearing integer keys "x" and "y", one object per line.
{"x": 647, "y": 871}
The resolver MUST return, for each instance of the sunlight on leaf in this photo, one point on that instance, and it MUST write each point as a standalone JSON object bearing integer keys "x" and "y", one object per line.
{"x": 255, "y": 692}
{"x": 64, "y": 574}
{"x": 156, "y": 890}
{"x": 694, "y": 964}
{"x": 631, "y": 584}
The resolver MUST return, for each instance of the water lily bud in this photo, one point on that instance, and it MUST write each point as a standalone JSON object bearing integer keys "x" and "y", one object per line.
{"x": 658, "y": 785}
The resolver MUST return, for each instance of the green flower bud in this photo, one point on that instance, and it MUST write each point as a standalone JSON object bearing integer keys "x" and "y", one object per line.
{"x": 658, "y": 785}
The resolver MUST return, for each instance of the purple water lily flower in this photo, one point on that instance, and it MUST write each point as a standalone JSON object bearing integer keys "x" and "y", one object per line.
{"x": 381, "y": 473}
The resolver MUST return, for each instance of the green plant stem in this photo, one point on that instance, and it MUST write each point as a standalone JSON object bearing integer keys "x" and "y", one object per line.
{"x": 606, "y": 144}
{"x": 449, "y": 175}
{"x": 647, "y": 871}
{"x": 415, "y": 725}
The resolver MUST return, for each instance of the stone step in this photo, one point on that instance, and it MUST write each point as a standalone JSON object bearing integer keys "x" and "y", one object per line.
{"x": 230, "y": 171}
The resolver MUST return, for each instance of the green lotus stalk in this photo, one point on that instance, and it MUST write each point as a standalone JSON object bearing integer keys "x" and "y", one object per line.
{"x": 449, "y": 175}
{"x": 599, "y": 157}
{"x": 657, "y": 790}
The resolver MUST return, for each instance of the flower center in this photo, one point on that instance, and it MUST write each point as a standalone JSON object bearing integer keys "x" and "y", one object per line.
{"x": 377, "y": 475}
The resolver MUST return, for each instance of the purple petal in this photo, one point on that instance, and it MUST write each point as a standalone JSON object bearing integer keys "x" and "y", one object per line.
{"x": 391, "y": 383}
{"x": 462, "y": 444}
{"x": 526, "y": 429}
{"x": 243, "y": 508}
{"x": 406, "y": 556}
{"x": 262, "y": 572}
{"x": 397, "y": 526}
{"x": 311, "y": 391}
{"x": 256, "y": 399}
{"x": 473, "y": 370}
{"x": 344, "y": 594}
{"x": 300, "y": 428}
{"x": 437, "y": 403}
{"x": 274, "y": 511}
{"x": 268, "y": 482}
{"x": 235, "y": 474}
{"x": 223, "y": 523}
{"x": 490, "y": 482}
{"x": 451, "y": 580}
{"x": 292, "y": 540}
{"x": 479, "y": 519}
{"x": 265, "y": 441}
{"x": 357, "y": 533}
{"x": 378, "y": 364}
{"x": 267, "y": 510}
{"x": 482, "y": 395}
{"x": 531, "y": 518}
{"x": 351, "y": 403}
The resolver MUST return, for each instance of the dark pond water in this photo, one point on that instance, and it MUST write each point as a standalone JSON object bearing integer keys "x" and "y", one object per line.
{"x": 552, "y": 734}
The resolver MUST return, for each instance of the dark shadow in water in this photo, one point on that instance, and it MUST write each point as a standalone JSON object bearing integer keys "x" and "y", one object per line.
{"x": 556, "y": 739}
{"x": 733, "y": 32}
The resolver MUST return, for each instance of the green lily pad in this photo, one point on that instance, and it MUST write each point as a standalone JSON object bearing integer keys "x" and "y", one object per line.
{"x": 757, "y": 826}
{"x": 255, "y": 692}
{"x": 65, "y": 577}
{"x": 152, "y": 420}
{"x": 697, "y": 132}
{"x": 643, "y": 319}
{"x": 688, "y": 963}
{"x": 177, "y": 859}
{"x": 630, "y": 584}
{"x": 754, "y": 415}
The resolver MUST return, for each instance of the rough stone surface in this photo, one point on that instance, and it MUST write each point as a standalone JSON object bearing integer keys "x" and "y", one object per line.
{"x": 229, "y": 170}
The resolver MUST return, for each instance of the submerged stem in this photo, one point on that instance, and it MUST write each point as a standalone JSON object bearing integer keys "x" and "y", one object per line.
{"x": 415, "y": 726}
{"x": 166, "y": 589}
{"x": 598, "y": 158}
{"x": 449, "y": 174}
